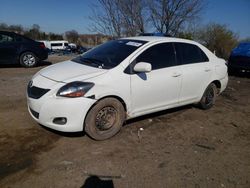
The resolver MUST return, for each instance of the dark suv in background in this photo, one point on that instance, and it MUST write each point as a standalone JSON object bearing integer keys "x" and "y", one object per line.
{"x": 239, "y": 60}
{"x": 17, "y": 49}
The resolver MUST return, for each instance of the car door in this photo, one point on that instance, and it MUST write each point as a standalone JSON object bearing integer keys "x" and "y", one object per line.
{"x": 196, "y": 71}
{"x": 8, "y": 50}
{"x": 158, "y": 89}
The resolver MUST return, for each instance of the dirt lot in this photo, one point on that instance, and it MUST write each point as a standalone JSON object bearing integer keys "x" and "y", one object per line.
{"x": 184, "y": 147}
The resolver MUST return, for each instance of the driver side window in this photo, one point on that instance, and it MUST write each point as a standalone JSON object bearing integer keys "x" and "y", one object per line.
{"x": 159, "y": 56}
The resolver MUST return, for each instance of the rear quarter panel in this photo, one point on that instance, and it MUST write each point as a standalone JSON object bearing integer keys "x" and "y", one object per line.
{"x": 220, "y": 69}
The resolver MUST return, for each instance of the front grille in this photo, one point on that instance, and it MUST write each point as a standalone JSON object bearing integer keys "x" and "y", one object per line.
{"x": 36, "y": 92}
{"x": 34, "y": 113}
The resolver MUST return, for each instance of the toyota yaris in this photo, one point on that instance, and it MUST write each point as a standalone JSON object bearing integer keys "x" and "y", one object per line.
{"x": 122, "y": 79}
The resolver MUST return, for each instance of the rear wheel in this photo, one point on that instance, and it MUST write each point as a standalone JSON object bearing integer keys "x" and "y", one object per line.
{"x": 28, "y": 59}
{"x": 209, "y": 96}
{"x": 105, "y": 119}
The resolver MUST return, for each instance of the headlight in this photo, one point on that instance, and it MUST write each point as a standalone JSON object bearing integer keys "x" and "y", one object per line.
{"x": 75, "y": 89}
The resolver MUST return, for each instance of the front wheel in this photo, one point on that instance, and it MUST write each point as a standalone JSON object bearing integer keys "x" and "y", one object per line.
{"x": 105, "y": 119}
{"x": 209, "y": 96}
{"x": 28, "y": 59}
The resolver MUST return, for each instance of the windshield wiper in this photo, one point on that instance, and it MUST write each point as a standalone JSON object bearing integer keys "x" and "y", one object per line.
{"x": 100, "y": 63}
{"x": 91, "y": 61}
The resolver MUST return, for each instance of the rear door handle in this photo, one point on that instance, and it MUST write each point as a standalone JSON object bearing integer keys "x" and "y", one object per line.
{"x": 176, "y": 74}
{"x": 207, "y": 69}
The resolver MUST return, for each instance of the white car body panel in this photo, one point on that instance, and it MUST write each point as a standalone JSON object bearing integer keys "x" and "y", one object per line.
{"x": 195, "y": 78}
{"x": 74, "y": 109}
{"x": 141, "y": 93}
{"x": 144, "y": 98}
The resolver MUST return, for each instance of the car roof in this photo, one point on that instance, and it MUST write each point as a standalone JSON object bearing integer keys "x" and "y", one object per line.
{"x": 160, "y": 38}
{"x": 7, "y": 32}
{"x": 16, "y": 34}
{"x": 153, "y": 39}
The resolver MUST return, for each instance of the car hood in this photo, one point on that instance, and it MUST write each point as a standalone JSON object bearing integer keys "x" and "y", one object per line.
{"x": 68, "y": 70}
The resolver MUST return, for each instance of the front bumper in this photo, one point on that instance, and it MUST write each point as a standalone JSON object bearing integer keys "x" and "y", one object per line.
{"x": 47, "y": 108}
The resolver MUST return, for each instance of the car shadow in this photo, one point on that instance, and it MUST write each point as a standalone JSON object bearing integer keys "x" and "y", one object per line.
{"x": 96, "y": 182}
{"x": 157, "y": 114}
{"x": 126, "y": 123}
{"x": 40, "y": 64}
{"x": 44, "y": 63}
{"x": 10, "y": 66}
{"x": 64, "y": 134}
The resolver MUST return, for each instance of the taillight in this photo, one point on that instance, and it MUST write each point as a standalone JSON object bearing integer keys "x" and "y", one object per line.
{"x": 42, "y": 45}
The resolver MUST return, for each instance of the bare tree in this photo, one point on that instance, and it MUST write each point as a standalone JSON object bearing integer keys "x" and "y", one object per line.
{"x": 106, "y": 18}
{"x": 118, "y": 17}
{"x": 16, "y": 28}
{"x": 133, "y": 16}
{"x": 34, "y": 32}
{"x": 168, "y": 16}
{"x": 72, "y": 36}
{"x": 54, "y": 36}
{"x": 3, "y": 26}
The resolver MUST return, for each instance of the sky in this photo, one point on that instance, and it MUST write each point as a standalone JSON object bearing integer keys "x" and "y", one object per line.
{"x": 60, "y": 16}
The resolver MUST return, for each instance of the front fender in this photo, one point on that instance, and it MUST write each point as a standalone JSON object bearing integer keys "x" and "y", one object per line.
{"x": 101, "y": 91}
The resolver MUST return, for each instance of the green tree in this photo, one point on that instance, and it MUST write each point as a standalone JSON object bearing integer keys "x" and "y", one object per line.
{"x": 185, "y": 35}
{"x": 218, "y": 38}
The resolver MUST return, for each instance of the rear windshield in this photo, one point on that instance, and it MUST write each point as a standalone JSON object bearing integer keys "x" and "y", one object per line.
{"x": 109, "y": 54}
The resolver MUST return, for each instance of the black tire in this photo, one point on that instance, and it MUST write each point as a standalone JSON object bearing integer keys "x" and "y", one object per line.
{"x": 28, "y": 59}
{"x": 209, "y": 96}
{"x": 105, "y": 119}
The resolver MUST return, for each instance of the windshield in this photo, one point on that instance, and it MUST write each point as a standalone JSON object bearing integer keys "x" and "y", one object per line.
{"x": 109, "y": 54}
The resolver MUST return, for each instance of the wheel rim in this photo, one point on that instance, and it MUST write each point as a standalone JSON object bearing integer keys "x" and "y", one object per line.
{"x": 209, "y": 96}
{"x": 106, "y": 118}
{"x": 29, "y": 59}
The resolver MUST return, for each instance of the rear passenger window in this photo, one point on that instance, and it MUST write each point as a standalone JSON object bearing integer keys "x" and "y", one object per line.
{"x": 189, "y": 53}
{"x": 5, "y": 38}
{"x": 159, "y": 56}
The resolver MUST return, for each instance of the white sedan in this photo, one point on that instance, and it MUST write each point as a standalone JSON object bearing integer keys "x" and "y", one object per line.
{"x": 122, "y": 79}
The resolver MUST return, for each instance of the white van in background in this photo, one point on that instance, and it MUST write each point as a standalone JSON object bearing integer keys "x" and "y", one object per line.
{"x": 58, "y": 44}
{"x": 55, "y": 44}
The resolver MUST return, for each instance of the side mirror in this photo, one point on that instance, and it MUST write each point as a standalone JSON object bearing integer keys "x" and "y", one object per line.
{"x": 142, "y": 67}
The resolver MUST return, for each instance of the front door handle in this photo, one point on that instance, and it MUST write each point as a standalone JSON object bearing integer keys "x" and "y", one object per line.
{"x": 207, "y": 69}
{"x": 176, "y": 74}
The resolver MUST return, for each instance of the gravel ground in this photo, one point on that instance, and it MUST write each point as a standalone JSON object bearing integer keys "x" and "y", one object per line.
{"x": 182, "y": 147}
